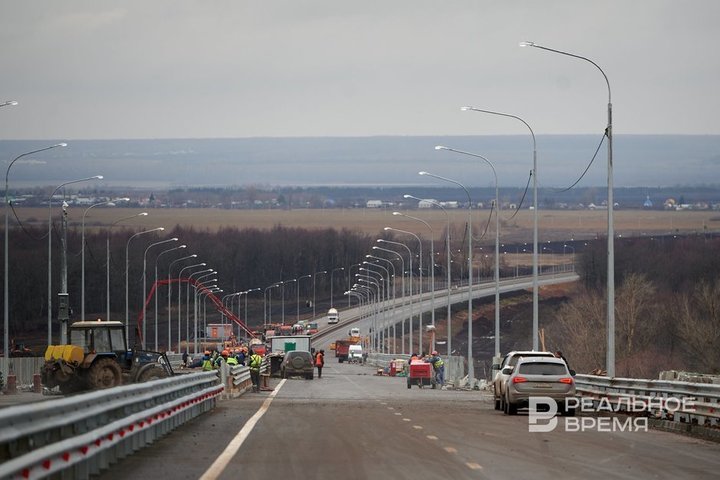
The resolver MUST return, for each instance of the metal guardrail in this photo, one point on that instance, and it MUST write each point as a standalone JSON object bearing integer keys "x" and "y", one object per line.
{"x": 694, "y": 403}
{"x": 78, "y": 436}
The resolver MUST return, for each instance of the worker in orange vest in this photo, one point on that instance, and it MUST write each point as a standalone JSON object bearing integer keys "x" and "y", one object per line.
{"x": 320, "y": 362}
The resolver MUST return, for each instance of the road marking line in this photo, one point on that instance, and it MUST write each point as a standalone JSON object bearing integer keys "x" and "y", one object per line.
{"x": 450, "y": 449}
{"x": 217, "y": 468}
{"x": 417, "y": 427}
{"x": 474, "y": 466}
{"x": 431, "y": 437}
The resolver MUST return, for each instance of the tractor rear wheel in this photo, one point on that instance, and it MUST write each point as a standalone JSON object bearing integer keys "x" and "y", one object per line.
{"x": 152, "y": 373}
{"x": 104, "y": 373}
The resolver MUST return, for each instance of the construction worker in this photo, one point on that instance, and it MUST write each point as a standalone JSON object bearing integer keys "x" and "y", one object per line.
{"x": 207, "y": 363}
{"x": 242, "y": 354}
{"x": 438, "y": 366}
{"x": 254, "y": 363}
{"x": 222, "y": 358}
{"x": 232, "y": 361}
{"x": 320, "y": 362}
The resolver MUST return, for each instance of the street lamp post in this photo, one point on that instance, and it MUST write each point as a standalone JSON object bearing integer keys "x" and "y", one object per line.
{"x": 471, "y": 365}
{"x": 196, "y": 307}
{"x": 127, "y": 268}
{"x": 349, "y": 271}
{"x": 181, "y": 259}
{"x": 402, "y": 283}
{"x": 420, "y": 289}
{"x": 246, "y": 292}
{"x": 64, "y": 287}
{"x": 314, "y": 282}
{"x": 265, "y": 309}
{"x": 377, "y": 295}
{"x": 385, "y": 299}
{"x": 610, "y": 223}
{"x": 187, "y": 306}
{"x": 387, "y": 271}
{"x": 497, "y": 250}
{"x": 447, "y": 254}
{"x": 297, "y": 298}
{"x": 447, "y": 250}
{"x": 282, "y": 290}
{"x": 82, "y": 255}
{"x": 331, "y": 283}
{"x": 410, "y": 255}
{"x": 6, "y": 291}
{"x": 536, "y": 209}
{"x": 107, "y": 258}
{"x": 157, "y": 292}
{"x": 144, "y": 286}
{"x": 432, "y": 269}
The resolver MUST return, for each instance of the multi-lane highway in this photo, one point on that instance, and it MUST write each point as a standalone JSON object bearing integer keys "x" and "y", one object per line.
{"x": 352, "y": 424}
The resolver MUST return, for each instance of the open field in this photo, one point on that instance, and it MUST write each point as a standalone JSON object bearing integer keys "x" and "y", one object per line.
{"x": 555, "y": 225}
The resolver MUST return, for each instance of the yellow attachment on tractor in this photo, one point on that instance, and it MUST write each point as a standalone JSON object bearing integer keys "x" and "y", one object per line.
{"x": 69, "y": 353}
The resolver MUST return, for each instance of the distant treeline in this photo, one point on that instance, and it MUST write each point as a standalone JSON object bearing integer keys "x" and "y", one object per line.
{"x": 667, "y": 307}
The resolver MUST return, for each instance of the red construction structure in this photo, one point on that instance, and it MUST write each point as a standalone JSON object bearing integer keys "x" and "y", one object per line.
{"x": 215, "y": 300}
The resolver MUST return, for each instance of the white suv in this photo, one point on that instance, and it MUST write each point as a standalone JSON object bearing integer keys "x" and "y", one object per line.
{"x": 510, "y": 361}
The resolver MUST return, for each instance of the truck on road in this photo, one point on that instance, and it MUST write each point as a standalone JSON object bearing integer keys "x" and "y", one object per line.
{"x": 342, "y": 348}
{"x": 284, "y": 344}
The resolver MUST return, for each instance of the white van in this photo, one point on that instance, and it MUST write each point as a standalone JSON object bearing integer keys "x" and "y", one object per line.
{"x": 332, "y": 316}
{"x": 354, "y": 332}
{"x": 355, "y": 354}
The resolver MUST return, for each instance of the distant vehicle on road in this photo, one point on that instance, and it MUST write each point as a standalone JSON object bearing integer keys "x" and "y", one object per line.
{"x": 333, "y": 316}
{"x": 355, "y": 354}
{"x": 354, "y": 332}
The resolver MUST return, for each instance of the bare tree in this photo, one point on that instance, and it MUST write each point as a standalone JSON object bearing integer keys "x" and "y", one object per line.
{"x": 634, "y": 307}
{"x": 699, "y": 326}
{"x": 579, "y": 331}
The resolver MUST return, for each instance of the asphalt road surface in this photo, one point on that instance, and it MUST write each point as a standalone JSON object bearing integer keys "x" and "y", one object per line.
{"x": 351, "y": 424}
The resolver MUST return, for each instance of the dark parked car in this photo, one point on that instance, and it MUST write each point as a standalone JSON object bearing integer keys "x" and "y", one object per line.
{"x": 297, "y": 362}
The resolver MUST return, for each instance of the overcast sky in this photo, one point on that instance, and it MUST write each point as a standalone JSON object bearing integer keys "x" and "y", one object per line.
{"x": 99, "y": 69}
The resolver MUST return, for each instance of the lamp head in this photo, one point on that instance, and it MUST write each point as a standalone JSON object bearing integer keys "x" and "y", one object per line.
{"x": 441, "y": 147}
{"x": 397, "y": 213}
{"x": 527, "y": 44}
{"x": 143, "y": 214}
{"x": 182, "y": 246}
{"x": 466, "y": 108}
{"x": 160, "y": 229}
{"x": 423, "y": 173}
{"x": 174, "y": 239}
{"x": 194, "y": 255}
{"x": 386, "y": 229}
{"x": 57, "y": 144}
{"x": 98, "y": 177}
